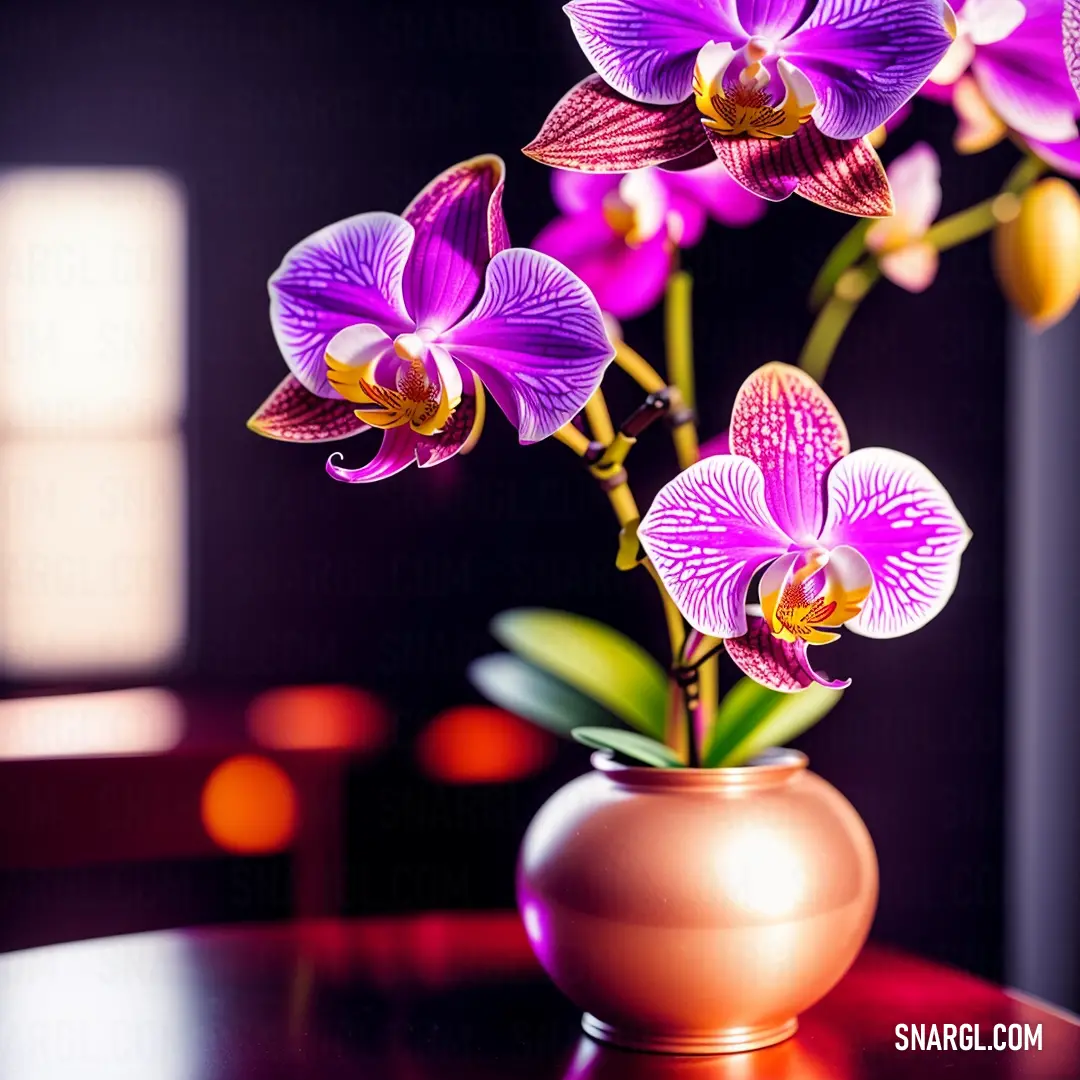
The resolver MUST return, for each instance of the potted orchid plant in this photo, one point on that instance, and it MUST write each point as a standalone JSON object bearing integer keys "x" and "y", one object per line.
{"x": 699, "y": 888}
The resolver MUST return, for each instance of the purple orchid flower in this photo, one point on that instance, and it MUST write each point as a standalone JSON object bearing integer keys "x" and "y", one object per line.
{"x": 783, "y": 92}
{"x": 619, "y": 234}
{"x": 399, "y": 323}
{"x": 1007, "y": 70}
{"x": 869, "y": 540}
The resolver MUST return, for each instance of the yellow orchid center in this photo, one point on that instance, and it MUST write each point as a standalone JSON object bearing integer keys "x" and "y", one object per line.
{"x": 819, "y": 593}
{"x": 392, "y": 395}
{"x": 733, "y": 93}
{"x": 637, "y": 209}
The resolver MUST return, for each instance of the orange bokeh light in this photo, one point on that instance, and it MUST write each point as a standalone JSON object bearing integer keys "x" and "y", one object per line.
{"x": 249, "y": 805}
{"x": 319, "y": 718}
{"x": 480, "y": 744}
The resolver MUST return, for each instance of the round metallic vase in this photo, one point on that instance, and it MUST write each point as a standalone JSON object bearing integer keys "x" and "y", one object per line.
{"x": 697, "y": 911}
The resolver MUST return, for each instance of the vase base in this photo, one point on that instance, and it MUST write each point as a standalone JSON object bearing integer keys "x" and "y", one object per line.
{"x": 724, "y": 1041}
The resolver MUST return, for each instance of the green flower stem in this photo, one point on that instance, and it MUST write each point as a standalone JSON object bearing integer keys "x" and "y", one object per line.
{"x": 638, "y": 368}
{"x": 596, "y": 412}
{"x": 834, "y": 317}
{"x": 679, "y": 334}
{"x": 679, "y": 344}
{"x": 845, "y": 255}
{"x": 855, "y": 281}
{"x": 1025, "y": 174}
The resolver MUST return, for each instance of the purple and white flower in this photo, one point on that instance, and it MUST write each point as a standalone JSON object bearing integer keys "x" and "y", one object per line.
{"x": 1007, "y": 70}
{"x": 782, "y": 91}
{"x": 399, "y": 323}
{"x": 620, "y": 233}
{"x": 869, "y": 540}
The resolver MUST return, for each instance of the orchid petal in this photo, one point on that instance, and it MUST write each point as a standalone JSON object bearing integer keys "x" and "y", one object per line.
{"x": 292, "y": 413}
{"x": 716, "y": 192}
{"x": 978, "y": 126}
{"x": 625, "y": 280}
{"x": 953, "y": 64}
{"x": 595, "y": 129}
{"x": 1070, "y": 28}
{"x": 707, "y": 533}
{"x": 718, "y": 444}
{"x": 867, "y": 58}
{"x": 576, "y": 192}
{"x": 773, "y": 19}
{"x": 989, "y": 21}
{"x": 402, "y": 447}
{"x": 645, "y": 49}
{"x": 1061, "y": 157}
{"x": 786, "y": 424}
{"x": 698, "y": 158}
{"x": 536, "y": 339}
{"x": 349, "y": 272}
{"x": 842, "y": 175}
{"x": 806, "y": 593}
{"x": 779, "y": 665}
{"x": 1025, "y": 77}
{"x": 461, "y": 433}
{"x": 913, "y": 267}
{"x": 896, "y": 514}
{"x": 459, "y": 226}
{"x": 396, "y": 452}
{"x": 915, "y": 177}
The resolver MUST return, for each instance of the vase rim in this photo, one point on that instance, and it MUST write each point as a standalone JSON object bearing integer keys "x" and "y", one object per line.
{"x": 771, "y": 768}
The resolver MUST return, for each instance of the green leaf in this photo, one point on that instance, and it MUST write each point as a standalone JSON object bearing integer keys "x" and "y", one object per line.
{"x": 600, "y": 662}
{"x": 511, "y": 683}
{"x": 751, "y": 718}
{"x": 630, "y": 744}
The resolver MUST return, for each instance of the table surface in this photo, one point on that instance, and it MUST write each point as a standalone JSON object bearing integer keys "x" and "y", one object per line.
{"x": 442, "y": 997}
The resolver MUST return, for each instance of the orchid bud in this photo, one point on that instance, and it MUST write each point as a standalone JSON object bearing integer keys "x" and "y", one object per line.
{"x": 1037, "y": 253}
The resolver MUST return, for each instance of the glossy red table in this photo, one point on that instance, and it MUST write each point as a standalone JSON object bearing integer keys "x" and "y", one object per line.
{"x": 441, "y": 997}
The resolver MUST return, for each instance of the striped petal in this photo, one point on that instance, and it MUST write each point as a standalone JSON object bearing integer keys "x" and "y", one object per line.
{"x": 292, "y": 413}
{"x": 708, "y": 532}
{"x": 349, "y": 272}
{"x": 596, "y": 129}
{"x": 536, "y": 339}
{"x": 896, "y": 514}
{"x": 842, "y": 175}
{"x": 867, "y": 58}
{"x": 779, "y": 665}
{"x": 645, "y": 49}
{"x": 785, "y": 423}
{"x": 459, "y": 226}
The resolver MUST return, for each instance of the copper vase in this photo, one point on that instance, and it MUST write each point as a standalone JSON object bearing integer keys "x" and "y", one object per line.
{"x": 697, "y": 911}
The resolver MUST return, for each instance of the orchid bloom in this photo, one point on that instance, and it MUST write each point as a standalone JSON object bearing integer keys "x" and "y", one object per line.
{"x": 903, "y": 253}
{"x": 869, "y": 540}
{"x": 1007, "y": 70}
{"x": 782, "y": 91}
{"x": 398, "y": 323}
{"x": 619, "y": 234}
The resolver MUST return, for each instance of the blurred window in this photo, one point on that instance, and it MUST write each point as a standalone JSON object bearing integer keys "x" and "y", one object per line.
{"x": 93, "y": 271}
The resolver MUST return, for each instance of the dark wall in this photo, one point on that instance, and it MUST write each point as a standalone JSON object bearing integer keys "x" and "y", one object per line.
{"x": 282, "y": 117}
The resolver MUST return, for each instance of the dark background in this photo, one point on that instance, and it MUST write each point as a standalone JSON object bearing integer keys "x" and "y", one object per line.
{"x": 282, "y": 117}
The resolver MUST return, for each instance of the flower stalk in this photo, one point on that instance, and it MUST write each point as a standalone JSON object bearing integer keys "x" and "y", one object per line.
{"x": 850, "y": 272}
